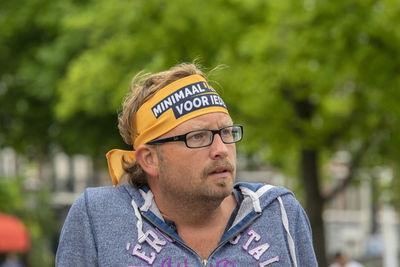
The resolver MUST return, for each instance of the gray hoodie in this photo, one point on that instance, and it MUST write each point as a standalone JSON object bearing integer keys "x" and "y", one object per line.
{"x": 122, "y": 226}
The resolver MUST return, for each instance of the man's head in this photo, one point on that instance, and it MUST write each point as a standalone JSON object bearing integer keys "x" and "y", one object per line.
{"x": 170, "y": 102}
{"x": 142, "y": 88}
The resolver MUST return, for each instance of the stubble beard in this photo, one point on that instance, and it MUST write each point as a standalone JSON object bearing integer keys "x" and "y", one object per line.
{"x": 219, "y": 189}
{"x": 205, "y": 191}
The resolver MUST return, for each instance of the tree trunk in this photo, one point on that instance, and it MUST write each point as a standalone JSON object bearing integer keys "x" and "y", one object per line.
{"x": 314, "y": 201}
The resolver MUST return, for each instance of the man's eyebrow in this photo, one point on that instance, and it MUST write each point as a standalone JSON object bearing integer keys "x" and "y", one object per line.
{"x": 223, "y": 125}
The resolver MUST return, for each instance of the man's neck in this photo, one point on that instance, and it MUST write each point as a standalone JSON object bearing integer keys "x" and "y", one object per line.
{"x": 202, "y": 227}
{"x": 196, "y": 213}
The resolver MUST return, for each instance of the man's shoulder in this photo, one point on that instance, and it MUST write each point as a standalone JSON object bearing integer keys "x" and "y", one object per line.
{"x": 105, "y": 192}
{"x": 107, "y": 196}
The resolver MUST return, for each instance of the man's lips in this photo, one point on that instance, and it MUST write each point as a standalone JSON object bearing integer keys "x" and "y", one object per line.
{"x": 220, "y": 169}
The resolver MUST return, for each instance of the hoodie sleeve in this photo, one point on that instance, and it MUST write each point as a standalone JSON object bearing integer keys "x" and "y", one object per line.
{"x": 77, "y": 246}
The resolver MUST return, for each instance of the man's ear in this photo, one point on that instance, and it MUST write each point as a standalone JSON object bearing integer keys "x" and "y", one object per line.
{"x": 147, "y": 158}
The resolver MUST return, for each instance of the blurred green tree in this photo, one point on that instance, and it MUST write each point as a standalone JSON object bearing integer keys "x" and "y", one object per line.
{"x": 25, "y": 101}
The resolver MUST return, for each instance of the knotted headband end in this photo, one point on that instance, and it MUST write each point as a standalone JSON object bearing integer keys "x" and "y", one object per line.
{"x": 114, "y": 162}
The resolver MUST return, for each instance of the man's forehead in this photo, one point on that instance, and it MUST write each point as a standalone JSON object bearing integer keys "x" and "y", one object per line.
{"x": 206, "y": 121}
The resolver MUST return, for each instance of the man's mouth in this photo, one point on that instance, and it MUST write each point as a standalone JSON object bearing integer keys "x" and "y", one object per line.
{"x": 220, "y": 169}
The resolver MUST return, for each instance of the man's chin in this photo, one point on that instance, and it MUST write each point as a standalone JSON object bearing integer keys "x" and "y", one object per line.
{"x": 223, "y": 187}
{"x": 224, "y": 182}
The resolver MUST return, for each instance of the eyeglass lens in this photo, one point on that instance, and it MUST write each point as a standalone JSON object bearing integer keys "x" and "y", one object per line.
{"x": 201, "y": 138}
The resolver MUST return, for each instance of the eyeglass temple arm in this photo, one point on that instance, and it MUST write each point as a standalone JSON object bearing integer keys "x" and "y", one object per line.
{"x": 167, "y": 139}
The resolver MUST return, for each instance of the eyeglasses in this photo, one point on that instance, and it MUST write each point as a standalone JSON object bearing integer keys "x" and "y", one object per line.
{"x": 203, "y": 138}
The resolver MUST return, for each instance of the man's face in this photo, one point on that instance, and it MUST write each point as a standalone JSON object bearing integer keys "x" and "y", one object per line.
{"x": 205, "y": 173}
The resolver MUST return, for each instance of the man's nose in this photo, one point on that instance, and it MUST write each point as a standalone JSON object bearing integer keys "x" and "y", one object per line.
{"x": 218, "y": 148}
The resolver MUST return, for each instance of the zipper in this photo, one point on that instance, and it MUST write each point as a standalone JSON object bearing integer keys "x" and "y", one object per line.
{"x": 229, "y": 237}
{"x": 203, "y": 261}
{"x": 177, "y": 240}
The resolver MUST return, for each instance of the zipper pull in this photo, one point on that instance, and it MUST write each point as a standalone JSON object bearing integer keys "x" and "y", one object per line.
{"x": 205, "y": 263}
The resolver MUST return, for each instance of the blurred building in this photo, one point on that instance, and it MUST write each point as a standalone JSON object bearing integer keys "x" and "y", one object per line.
{"x": 358, "y": 221}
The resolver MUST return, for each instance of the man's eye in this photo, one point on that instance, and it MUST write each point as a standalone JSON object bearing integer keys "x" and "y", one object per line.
{"x": 198, "y": 136}
{"x": 227, "y": 132}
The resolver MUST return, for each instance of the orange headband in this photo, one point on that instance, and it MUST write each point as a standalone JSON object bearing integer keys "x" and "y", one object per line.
{"x": 174, "y": 104}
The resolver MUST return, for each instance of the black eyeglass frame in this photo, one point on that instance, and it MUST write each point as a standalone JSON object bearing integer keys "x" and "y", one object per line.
{"x": 182, "y": 137}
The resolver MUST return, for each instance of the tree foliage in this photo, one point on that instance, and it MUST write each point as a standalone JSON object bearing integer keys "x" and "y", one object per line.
{"x": 306, "y": 78}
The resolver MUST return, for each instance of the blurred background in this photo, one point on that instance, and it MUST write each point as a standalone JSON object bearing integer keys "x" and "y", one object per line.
{"x": 315, "y": 84}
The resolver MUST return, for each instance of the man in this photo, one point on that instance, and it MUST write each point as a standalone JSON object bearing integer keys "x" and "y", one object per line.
{"x": 181, "y": 207}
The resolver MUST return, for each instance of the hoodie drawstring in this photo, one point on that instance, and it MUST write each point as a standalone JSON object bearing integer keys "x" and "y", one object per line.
{"x": 285, "y": 222}
{"x": 148, "y": 197}
{"x": 139, "y": 223}
{"x": 255, "y": 196}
